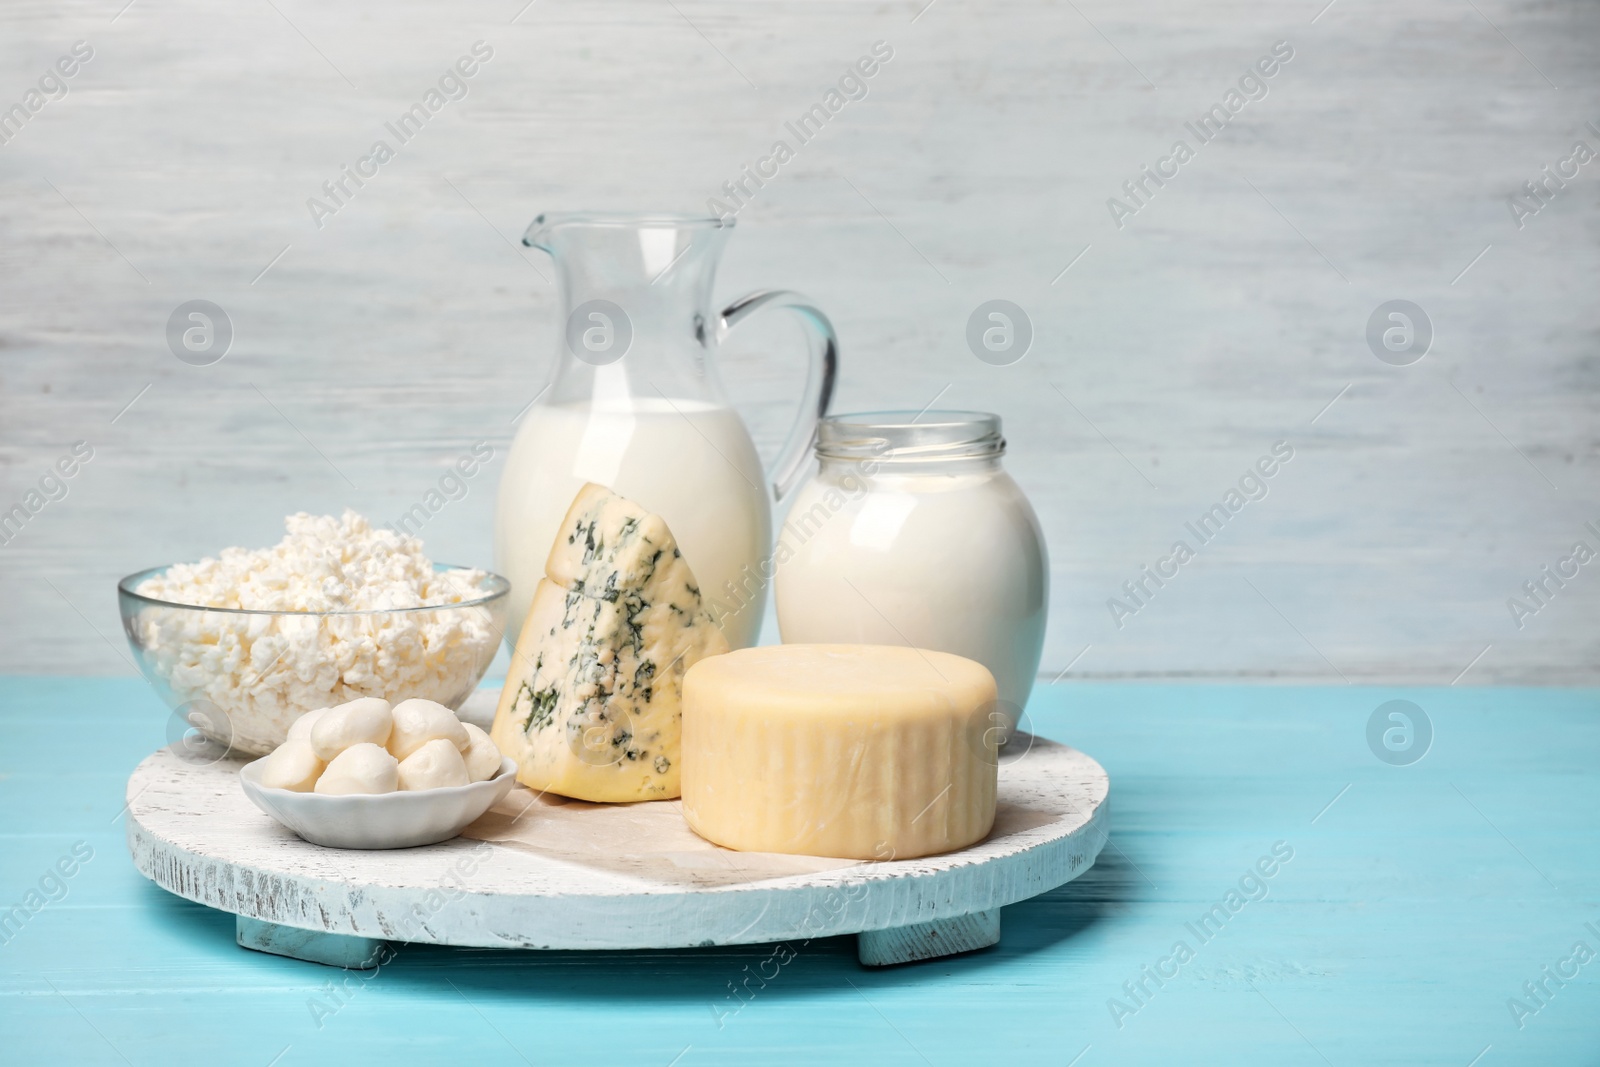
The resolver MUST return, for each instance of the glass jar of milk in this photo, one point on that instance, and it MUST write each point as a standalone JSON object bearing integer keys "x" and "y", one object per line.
{"x": 913, "y": 533}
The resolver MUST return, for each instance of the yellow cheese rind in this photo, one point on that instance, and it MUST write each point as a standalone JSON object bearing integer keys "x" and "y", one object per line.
{"x": 591, "y": 703}
{"x": 854, "y": 751}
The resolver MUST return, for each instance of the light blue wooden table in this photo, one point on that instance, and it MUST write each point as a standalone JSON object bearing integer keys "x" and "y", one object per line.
{"x": 1418, "y": 901}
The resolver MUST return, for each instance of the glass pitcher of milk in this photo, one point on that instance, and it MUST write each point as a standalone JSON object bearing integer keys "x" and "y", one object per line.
{"x": 634, "y": 403}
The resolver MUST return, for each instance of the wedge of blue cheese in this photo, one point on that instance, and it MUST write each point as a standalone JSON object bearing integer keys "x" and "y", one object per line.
{"x": 592, "y": 705}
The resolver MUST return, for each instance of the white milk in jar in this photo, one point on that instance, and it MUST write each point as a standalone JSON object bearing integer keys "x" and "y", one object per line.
{"x": 913, "y": 533}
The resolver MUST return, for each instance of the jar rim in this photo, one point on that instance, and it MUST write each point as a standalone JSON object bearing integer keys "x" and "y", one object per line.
{"x": 910, "y": 436}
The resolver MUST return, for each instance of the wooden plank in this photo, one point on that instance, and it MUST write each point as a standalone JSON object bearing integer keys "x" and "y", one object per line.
{"x": 540, "y": 871}
{"x": 979, "y": 166}
{"x": 313, "y": 946}
{"x": 930, "y": 940}
{"x": 1403, "y": 908}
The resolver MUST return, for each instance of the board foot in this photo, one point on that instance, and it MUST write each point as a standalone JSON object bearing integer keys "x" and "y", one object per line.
{"x": 926, "y": 941}
{"x": 314, "y": 946}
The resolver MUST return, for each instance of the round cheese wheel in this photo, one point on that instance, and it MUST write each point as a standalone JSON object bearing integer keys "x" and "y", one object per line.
{"x": 855, "y": 751}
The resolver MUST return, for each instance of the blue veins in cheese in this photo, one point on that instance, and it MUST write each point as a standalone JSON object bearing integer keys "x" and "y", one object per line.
{"x": 592, "y": 705}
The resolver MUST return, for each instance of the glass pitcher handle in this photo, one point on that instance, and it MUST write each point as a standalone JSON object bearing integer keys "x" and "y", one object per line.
{"x": 821, "y": 374}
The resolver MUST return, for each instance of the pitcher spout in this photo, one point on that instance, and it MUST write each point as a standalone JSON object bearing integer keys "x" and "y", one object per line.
{"x": 545, "y": 231}
{"x": 658, "y": 267}
{"x": 540, "y": 232}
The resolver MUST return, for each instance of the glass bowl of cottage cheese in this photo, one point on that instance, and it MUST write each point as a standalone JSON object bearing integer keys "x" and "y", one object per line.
{"x": 242, "y": 644}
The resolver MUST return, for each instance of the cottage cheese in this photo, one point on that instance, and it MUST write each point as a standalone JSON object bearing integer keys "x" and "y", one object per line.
{"x": 264, "y": 671}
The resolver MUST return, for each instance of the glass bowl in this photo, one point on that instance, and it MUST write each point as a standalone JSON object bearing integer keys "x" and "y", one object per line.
{"x": 240, "y": 676}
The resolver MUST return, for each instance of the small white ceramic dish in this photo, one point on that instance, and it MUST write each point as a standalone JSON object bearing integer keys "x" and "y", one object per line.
{"x": 383, "y": 820}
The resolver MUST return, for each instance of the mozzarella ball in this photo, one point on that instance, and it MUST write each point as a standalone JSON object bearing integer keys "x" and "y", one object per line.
{"x": 360, "y": 722}
{"x": 437, "y": 763}
{"x": 292, "y": 766}
{"x": 361, "y": 768}
{"x": 300, "y": 729}
{"x": 482, "y": 757}
{"x": 416, "y": 722}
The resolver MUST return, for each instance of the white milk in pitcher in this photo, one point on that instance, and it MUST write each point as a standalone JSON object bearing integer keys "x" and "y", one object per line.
{"x": 690, "y": 462}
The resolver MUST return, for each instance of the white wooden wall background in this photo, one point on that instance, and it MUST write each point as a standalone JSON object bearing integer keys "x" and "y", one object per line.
{"x": 1224, "y": 317}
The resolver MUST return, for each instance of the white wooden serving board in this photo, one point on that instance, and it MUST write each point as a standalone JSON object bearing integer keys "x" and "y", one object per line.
{"x": 548, "y": 872}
